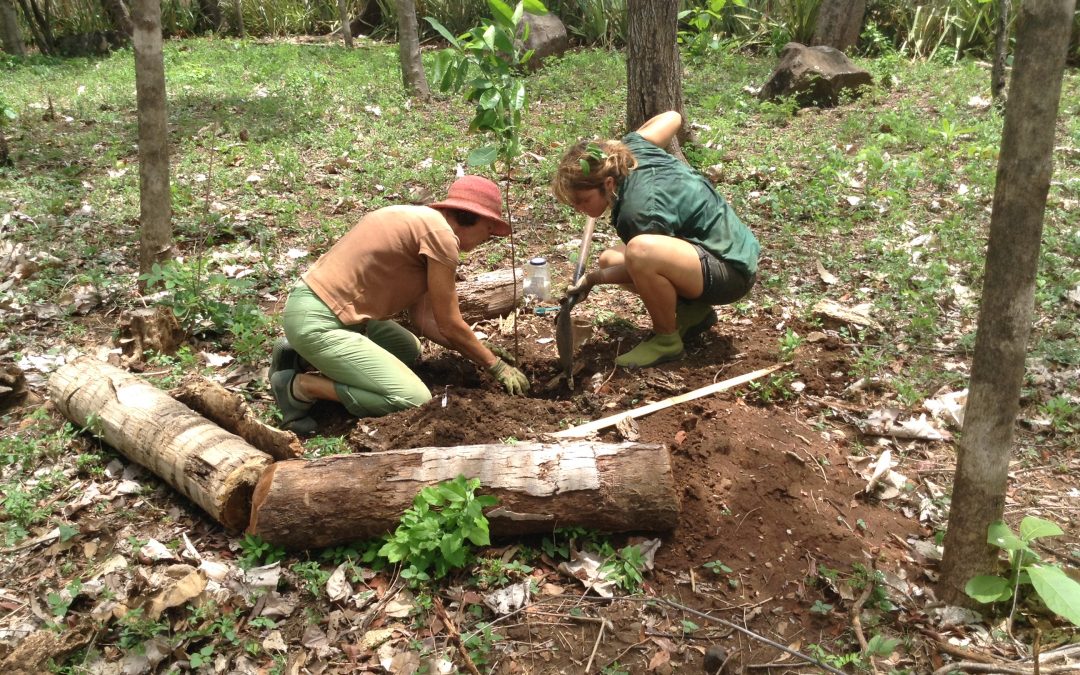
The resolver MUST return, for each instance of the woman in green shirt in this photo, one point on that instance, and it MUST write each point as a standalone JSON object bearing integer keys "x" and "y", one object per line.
{"x": 684, "y": 250}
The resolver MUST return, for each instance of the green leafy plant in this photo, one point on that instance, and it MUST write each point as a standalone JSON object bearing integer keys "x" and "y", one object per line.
{"x": 258, "y": 552}
{"x": 720, "y": 569}
{"x": 498, "y": 90}
{"x": 480, "y": 642}
{"x": 789, "y": 342}
{"x": 1059, "y": 592}
{"x": 435, "y": 534}
{"x": 625, "y": 568}
{"x": 312, "y": 576}
{"x": 202, "y": 657}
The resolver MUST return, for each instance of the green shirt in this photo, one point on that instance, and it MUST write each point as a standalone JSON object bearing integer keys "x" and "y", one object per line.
{"x": 665, "y": 196}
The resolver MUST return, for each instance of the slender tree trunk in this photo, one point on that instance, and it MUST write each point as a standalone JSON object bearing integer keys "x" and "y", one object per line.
{"x": 39, "y": 27}
{"x": 119, "y": 16}
{"x": 238, "y": 12}
{"x": 1001, "y": 51}
{"x": 210, "y": 17}
{"x": 346, "y": 30}
{"x": 412, "y": 66}
{"x": 1023, "y": 179}
{"x": 653, "y": 67}
{"x": 9, "y": 25}
{"x": 155, "y": 207}
{"x": 839, "y": 23}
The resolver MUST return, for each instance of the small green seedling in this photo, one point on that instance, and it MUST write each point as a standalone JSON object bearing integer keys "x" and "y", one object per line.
{"x": 1058, "y": 591}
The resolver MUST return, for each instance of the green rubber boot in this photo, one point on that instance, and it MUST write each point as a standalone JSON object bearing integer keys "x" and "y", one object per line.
{"x": 694, "y": 318}
{"x": 656, "y": 350}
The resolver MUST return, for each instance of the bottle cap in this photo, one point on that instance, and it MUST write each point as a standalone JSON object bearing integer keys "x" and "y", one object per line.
{"x": 539, "y": 260}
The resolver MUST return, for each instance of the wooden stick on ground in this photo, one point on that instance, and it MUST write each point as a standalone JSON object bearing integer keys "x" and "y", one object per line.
{"x": 232, "y": 413}
{"x": 587, "y": 429}
{"x": 210, "y": 466}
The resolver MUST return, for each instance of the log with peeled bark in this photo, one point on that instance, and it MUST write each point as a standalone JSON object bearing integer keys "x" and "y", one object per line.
{"x": 611, "y": 487}
{"x": 488, "y": 295}
{"x": 210, "y": 466}
{"x": 229, "y": 411}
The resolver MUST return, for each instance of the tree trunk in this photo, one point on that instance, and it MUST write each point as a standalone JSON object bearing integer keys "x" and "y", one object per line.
{"x": 488, "y": 295}
{"x": 1001, "y": 51}
{"x": 412, "y": 66}
{"x": 155, "y": 206}
{"x": 230, "y": 412}
{"x": 9, "y": 25}
{"x": 208, "y": 465}
{"x": 119, "y": 16}
{"x": 343, "y": 15}
{"x": 1023, "y": 179}
{"x": 238, "y": 13}
{"x": 653, "y": 67}
{"x": 335, "y": 500}
{"x": 839, "y": 23}
{"x": 210, "y": 17}
{"x": 39, "y": 27}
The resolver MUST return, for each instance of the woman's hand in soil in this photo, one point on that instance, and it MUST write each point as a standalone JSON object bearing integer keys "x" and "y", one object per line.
{"x": 499, "y": 352}
{"x": 510, "y": 377}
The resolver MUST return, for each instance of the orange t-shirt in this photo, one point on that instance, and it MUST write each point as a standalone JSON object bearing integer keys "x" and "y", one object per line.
{"x": 379, "y": 267}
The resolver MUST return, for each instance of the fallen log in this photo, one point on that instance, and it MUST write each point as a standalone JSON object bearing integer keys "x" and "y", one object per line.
{"x": 588, "y": 429}
{"x": 232, "y": 413}
{"x": 489, "y": 295}
{"x": 210, "y": 466}
{"x": 540, "y": 486}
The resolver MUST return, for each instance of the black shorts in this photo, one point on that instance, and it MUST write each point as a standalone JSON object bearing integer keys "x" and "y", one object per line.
{"x": 722, "y": 282}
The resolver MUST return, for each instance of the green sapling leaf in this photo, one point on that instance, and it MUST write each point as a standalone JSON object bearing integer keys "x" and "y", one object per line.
{"x": 483, "y": 156}
{"x": 1059, "y": 591}
{"x": 987, "y": 588}
{"x": 999, "y": 534}
{"x": 1032, "y": 528}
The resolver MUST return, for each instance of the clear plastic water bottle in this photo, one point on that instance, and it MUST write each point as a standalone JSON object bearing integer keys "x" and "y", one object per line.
{"x": 538, "y": 280}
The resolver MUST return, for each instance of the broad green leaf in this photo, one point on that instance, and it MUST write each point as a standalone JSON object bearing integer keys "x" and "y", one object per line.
{"x": 517, "y": 96}
{"x": 501, "y": 9}
{"x": 442, "y": 31}
{"x": 999, "y": 534}
{"x": 1059, "y": 591}
{"x": 534, "y": 7}
{"x": 1032, "y": 528}
{"x": 489, "y": 37}
{"x": 503, "y": 41}
{"x": 986, "y": 588}
{"x": 519, "y": 10}
{"x": 881, "y": 646}
{"x": 483, "y": 156}
{"x": 479, "y": 535}
{"x": 490, "y": 99}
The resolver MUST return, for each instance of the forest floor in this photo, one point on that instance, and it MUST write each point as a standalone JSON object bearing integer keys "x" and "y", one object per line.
{"x": 878, "y": 206}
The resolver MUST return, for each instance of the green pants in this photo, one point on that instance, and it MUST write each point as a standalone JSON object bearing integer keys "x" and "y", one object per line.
{"x": 367, "y": 362}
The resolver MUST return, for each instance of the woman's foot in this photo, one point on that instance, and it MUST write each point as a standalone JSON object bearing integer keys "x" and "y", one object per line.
{"x": 694, "y": 318}
{"x": 294, "y": 412}
{"x": 656, "y": 350}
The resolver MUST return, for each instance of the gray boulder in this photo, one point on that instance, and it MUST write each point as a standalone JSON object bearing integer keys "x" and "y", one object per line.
{"x": 813, "y": 75}
{"x": 547, "y": 36}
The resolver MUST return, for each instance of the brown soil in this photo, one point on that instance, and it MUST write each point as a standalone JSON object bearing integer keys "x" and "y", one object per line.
{"x": 763, "y": 489}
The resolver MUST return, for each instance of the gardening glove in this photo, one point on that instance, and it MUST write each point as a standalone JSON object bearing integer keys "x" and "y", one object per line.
{"x": 510, "y": 377}
{"x": 582, "y": 288}
{"x": 499, "y": 352}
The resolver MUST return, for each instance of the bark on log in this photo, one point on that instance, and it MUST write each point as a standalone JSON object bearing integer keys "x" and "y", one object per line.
{"x": 489, "y": 295}
{"x": 210, "y": 466}
{"x": 540, "y": 486}
{"x": 232, "y": 413}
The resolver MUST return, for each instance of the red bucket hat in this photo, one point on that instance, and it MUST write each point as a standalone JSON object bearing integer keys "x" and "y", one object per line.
{"x": 478, "y": 195}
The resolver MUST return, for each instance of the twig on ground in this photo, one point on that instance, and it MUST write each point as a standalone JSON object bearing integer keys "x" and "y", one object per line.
{"x": 455, "y": 636}
{"x": 1005, "y": 668}
{"x": 745, "y": 631}
{"x": 596, "y": 645}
